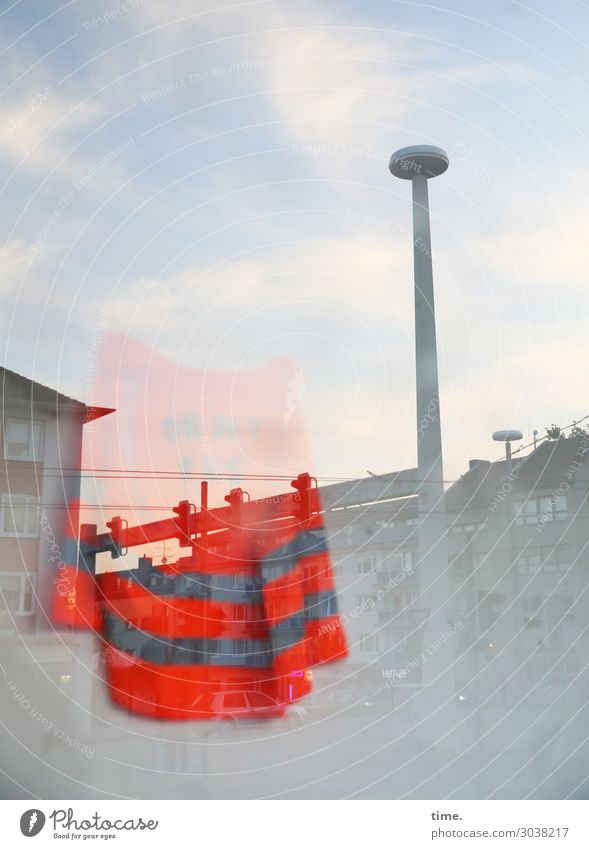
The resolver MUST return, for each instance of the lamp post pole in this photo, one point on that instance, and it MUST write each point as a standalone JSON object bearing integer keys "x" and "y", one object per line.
{"x": 436, "y": 701}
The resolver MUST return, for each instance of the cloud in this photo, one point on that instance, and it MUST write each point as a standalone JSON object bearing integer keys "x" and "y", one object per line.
{"x": 34, "y": 129}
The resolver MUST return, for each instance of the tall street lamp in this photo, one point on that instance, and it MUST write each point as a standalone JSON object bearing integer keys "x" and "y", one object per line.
{"x": 419, "y": 164}
{"x": 436, "y": 703}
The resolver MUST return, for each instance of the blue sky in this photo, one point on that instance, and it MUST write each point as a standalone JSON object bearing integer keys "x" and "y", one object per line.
{"x": 156, "y": 155}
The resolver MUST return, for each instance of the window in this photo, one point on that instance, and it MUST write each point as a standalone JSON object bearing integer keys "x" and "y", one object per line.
{"x": 530, "y": 610}
{"x": 545, "y": 558}
{"x": 239, "y": 647}
{"x": 365, "y": 565}
{"x": 402, "y": 600}
{"x": 18, "y": 516}
{"x": 565, "y": 607}
{"x": 23, "y": 439}
{"x": 271, "y": 573}
{"x": 458, "y": 564}
{"x": 260, "y": 700}
{"x": 468, "y": 529}
{"x": 481, "y": 560}
{"x": 17, "y": 593}
{"x": 401, "y": 561}
{"x": 338, "y": 569}
{"x": 234, "y": 700}
{"x": 364, "y": 602}
{"x": 398, "y": 522}
{"x": 385, "y": 523}
{"x": 213, "y": 647}
{"x": 465, "y": 562}
{"x": 368, "y": 643}
{"x": 547, "y": 508}
{"x": 482, "y": 563}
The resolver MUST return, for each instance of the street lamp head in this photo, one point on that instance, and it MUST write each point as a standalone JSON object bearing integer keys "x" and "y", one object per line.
{"x": 507, "y": 435}
{"x": 422, "y": 160}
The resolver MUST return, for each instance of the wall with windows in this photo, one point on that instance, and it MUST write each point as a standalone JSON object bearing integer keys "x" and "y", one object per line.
{"x": 373, "y": 556}
{"x": 519, "y": 575}
{"x": 39, "y": 477}
{"x": 22, "y": 442}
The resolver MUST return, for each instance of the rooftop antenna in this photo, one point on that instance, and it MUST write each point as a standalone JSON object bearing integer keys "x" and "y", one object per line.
{"x": 507, "y": 436}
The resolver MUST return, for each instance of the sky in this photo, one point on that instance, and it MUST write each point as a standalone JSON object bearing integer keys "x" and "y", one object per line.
{"x": 211, "y": 182}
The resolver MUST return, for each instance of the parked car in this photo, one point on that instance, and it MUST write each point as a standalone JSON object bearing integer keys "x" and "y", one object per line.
{"x": 248, "y": 706}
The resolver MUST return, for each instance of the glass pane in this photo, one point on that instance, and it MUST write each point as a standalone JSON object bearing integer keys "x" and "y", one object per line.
{"x": 10, "y": 595}
{"x": 17, "y": 439}
{"x": 31, "y": 524}
{"x": 37, "y": 434}
{"x": 233, "y": 700}
{"x": 14, "y": 515}
{"x": 259, "y": 700}
{"x": 27, "y": 605}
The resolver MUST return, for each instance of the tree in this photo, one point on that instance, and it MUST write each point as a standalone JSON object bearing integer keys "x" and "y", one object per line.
{"x": 553, "y": 432}
{"x": 579, "y": 431}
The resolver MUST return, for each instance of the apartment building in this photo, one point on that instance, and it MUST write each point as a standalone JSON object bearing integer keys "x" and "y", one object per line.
{"x": 518, "y": 566}
{"x": 41, "y": 444}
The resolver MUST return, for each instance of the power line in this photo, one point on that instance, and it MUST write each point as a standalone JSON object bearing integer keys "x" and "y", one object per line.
{"x": 546, "y": 438}
{"x": 146, "y": 474}
{"x": 152, "y": 474}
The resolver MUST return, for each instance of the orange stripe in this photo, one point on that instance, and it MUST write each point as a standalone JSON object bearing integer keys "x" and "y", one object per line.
{"x": 180, "y": 617}
{"x": 184, "y": 692}
{"x": 284, "y": 596}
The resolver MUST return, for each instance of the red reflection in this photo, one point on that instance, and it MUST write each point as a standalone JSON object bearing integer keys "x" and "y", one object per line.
{"x": 232, "y": 628}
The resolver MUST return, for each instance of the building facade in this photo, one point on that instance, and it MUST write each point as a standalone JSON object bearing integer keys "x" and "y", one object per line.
{"x": 518, "y": 568}
{"x": 41, "y": 444}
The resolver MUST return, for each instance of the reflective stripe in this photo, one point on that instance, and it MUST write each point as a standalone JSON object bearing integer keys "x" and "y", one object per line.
{"x": 320, "y": 605}
{"x": 196, "y": 585}
{"x": 279, "y": 562}
{"x": 288, "y": 632}
{"x": 69, "y": 552}
{"x": 87, "y": 563}
{"x": 311, "y": 542}
{"x": 223, "y": 587}
{"x": 283, "y": 560}
{"x": 187, "y": 650}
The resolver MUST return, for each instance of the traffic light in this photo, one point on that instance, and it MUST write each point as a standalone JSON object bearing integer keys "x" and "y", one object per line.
{"x": 303, "y": 486}
{"x": 184, "y": 510}
{"x": 117, "y": 528}
{"x": 235, "y": 496}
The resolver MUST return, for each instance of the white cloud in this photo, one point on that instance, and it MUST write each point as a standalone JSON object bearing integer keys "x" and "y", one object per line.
{"x": 33, "y": 129}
